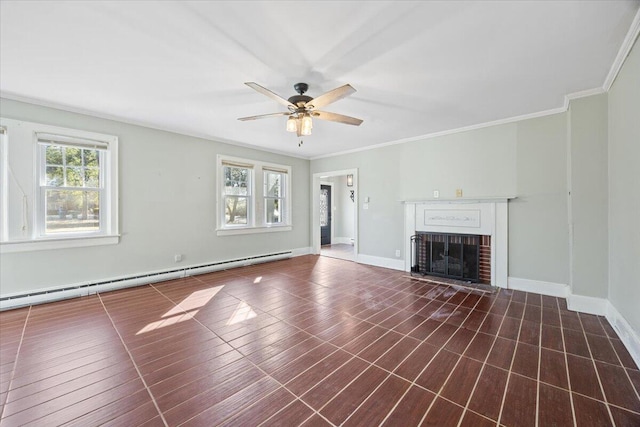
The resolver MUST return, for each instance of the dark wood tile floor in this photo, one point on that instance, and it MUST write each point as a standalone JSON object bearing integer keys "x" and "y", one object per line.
{"x": 313, "y": 341}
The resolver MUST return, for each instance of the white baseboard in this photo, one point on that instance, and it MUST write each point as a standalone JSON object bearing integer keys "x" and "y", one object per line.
{"x": 342, "y": 240}
{"x": 56, "y": 293}
{"x": 590, "y": 305}
{"x": 301, "y": 251}
{"x": 539, "y": 287}
{"x": 394, "y": 264}
{"x": 625, "y": 332}
{"x": 584, "y": 304}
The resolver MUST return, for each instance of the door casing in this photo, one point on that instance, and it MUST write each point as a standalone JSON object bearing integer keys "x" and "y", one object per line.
{"x": 315, "y": 207}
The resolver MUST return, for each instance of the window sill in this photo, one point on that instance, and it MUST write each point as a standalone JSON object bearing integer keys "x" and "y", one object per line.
{"x": 253, "y": 230}
{"x": 57, "y": 243}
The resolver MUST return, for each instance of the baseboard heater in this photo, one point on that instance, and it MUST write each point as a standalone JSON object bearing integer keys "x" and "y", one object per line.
{"x": 55, "y": 294}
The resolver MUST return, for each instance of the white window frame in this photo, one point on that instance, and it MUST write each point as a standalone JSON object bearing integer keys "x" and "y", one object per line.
{"x": 282, "y": 197}
{"x": 256, "y": 206}
{"x": 32, "y": 236}
{"x": 249, "y": 196}
{"x": 4, "y": 184}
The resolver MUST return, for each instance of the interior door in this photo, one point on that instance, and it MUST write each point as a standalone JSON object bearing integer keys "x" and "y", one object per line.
{"x": 325, "y": 215}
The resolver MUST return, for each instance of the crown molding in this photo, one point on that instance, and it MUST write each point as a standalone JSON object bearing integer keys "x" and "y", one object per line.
{"x": 623, "y": 52}
{"x": 582, "y": 94}
{"x": 458, "y": 130}
{"x": 13, "y": 97}
{"x": 565, "y": 106}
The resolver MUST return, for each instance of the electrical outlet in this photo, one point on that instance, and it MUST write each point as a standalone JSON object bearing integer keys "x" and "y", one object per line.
{"x": 458, "y": 192}
{"x": 177, "y": 257}
{"x": 365, "y": 206}
{"x": 436, "y": 194}
{"x": 397, "y": 253}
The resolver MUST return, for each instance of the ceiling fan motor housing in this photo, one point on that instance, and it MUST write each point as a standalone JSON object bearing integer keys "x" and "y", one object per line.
{"x": 301, "y": 99}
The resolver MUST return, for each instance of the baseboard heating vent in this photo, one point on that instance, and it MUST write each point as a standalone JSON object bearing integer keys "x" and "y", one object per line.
{"x": 55, "y": 294}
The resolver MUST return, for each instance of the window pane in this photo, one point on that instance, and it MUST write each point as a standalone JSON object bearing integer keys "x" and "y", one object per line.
{"x": 236, "y": 181}
{"x": 91, "y": 158}
{"x": 273, "y": 213}
{"x": 273, "y": 184}
{"x": 324, "y": 208}
{"x": 55, "y": 176}
{"x": 92, "y": 177}
{"x": 74, "y": 156}
{"x": 74, "y": 177}
{"x": 53, "y": 155}
{"x": 72, "y": 211}
{"x": 235, "y": 210}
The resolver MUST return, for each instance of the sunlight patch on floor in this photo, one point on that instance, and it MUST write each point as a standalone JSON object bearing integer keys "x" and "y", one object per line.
{"x": 185, "y": 310}
{"x": 242, "y": 312}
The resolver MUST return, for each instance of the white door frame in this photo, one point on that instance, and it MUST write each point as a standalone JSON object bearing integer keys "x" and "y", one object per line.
{"x": 315, "y": 207}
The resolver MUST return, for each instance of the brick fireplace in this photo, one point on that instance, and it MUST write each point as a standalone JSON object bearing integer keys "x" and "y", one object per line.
{"x": 460, "y": 230}
{"x": 464, "y": 257}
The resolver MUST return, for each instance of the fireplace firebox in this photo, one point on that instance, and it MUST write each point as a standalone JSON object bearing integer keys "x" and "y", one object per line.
{"x": 455, "y": 256}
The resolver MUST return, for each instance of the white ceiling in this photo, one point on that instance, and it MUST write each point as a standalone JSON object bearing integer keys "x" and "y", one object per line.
{"x": 418, "y": 67}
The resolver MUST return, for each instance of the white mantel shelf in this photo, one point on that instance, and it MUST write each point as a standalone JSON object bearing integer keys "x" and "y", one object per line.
{"x": 460, "y": 200}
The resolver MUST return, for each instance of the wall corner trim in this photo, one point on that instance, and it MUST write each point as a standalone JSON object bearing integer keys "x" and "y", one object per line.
{"x": 625, "y": 332}
{"x": 623, "y": 52}
{"x": 539, "y": 287}
{"x": 394, "y": 264}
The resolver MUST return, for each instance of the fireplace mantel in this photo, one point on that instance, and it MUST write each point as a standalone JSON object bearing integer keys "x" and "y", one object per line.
{"x": 460, "y": 200}
{"x": 481, "y": 216}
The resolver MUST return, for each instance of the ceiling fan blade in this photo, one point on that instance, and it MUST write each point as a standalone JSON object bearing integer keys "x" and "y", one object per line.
{"x": 267, "y": 92}
{"x": 333, "y": 117}
{"x": 264, "y": 116}
{"x": 329, "y": 97}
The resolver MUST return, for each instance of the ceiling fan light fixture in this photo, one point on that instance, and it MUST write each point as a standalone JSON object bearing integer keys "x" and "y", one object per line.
{"x": 303, "y": 107}
{"x": 291, "y": 124}
{"x": 307, "y": 125}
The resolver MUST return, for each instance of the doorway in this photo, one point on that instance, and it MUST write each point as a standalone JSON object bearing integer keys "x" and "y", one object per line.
{"x": 334, "y": 218}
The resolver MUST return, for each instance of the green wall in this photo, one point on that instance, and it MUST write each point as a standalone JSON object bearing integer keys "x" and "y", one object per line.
{"x": 624, "y": 190}
{"x": 589, "y": 195}
{"x": 538, "y": 217}
{"x": 167, "y": 206}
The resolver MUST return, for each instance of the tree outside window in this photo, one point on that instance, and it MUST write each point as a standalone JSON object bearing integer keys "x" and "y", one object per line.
{"x": 274, "y": 193}
{"x": 237, "y": 193}
{"x": 72, "y": 189}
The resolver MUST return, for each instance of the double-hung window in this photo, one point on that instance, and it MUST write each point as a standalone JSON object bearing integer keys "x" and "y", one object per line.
{"x": 237, "y": 194}
{"x": 71, "y": 185}
{"x": 275, "y": 193}
{"x": 60, "y": 190}
{"x": 253, "y": 196}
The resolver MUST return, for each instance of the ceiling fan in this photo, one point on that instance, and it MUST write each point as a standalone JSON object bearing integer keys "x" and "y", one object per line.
{"x": 302, "y": 107}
